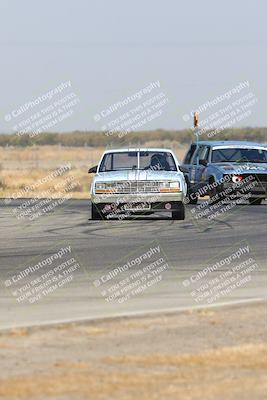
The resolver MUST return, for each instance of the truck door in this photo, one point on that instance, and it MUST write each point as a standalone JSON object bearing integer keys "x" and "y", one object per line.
{"x": 187, "y": 162}
{"x": 198, "y": 171}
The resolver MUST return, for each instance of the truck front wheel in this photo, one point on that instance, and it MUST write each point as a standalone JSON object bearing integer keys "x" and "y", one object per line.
{"x": 179, "y": 214}
{"x": 96, "y": 213}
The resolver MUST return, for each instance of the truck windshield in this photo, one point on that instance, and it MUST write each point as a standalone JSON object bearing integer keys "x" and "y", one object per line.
{"x": 143, "y": 160}
{"x": 239, "y": 155}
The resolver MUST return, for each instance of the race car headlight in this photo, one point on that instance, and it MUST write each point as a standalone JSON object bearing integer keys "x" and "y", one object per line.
{"x": 169, "y": 187}
{"x": 237, "y": 178}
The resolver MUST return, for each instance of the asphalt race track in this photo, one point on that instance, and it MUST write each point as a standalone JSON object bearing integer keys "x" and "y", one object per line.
{"x": 98, "y": 247}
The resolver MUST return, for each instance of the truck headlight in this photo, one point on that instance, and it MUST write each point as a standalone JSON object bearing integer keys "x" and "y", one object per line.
{"x": 170, "y": 187}
{"x": 101, "y": 187}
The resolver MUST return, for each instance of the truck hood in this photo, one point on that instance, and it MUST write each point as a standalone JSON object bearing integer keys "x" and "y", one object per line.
{"x": 242, "y": 168}
{"x": 137, "y": 175}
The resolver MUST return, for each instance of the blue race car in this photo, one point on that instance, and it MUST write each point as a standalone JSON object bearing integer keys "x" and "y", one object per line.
{"x": 226, "y": 169}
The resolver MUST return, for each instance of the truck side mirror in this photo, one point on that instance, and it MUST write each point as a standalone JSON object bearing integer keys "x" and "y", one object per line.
{"x": 184, "y": 170}
{"x": 203, "y": 162}
{"x": 92, "y": 170}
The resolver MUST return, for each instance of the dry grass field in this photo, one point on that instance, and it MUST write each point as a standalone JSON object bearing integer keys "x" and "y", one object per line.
{"x": 23, "y": 169}
{"x": 195, "y": 355}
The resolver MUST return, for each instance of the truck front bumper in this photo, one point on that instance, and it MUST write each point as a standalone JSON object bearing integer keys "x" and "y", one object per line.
{"x": 137, "y": 198}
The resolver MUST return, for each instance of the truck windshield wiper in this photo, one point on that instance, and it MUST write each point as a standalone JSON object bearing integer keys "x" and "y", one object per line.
{"x": 258, "y": 161}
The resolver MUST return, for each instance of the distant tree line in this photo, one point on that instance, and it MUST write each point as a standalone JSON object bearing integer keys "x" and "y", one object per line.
{"x": 97, "y": 139}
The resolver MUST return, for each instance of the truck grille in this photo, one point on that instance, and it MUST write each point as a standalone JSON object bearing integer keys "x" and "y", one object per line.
{"x": 261, "y": 178}
{"x": 129, "y": 187}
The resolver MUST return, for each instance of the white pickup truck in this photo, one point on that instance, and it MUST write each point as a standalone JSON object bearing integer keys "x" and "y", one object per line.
{"x": 138, "y": 181}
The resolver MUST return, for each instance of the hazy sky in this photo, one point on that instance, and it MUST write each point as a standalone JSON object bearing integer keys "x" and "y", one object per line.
{"x": 111, "y": 49}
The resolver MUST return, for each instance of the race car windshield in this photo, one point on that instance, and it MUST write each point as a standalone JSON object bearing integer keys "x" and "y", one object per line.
{"x": 143, "y": 160}
{"x": 239, "y": 155}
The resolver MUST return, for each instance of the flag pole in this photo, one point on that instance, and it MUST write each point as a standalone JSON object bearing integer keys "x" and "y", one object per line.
{"x": 196, "y": 130}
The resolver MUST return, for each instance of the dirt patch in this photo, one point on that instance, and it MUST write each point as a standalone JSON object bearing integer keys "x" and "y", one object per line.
{"x": 207, "y": 354}
{"x": 224, "y": 373}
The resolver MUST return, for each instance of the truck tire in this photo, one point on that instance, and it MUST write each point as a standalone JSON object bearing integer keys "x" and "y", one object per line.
{"x": 95, "y": 213}
{"x": 189, "y": 198}
{"x": 179, "y": 214}
{"x": 214, "y": 193}
{"x": 192, "y": 200}
{"x": 255, "y": 201}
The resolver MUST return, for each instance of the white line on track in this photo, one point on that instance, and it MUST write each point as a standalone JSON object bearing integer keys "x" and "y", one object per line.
{"x": 134, "y": 314}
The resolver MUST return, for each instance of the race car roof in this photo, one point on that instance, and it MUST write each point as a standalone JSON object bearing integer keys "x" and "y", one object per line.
{"x": 230, "y": 143}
